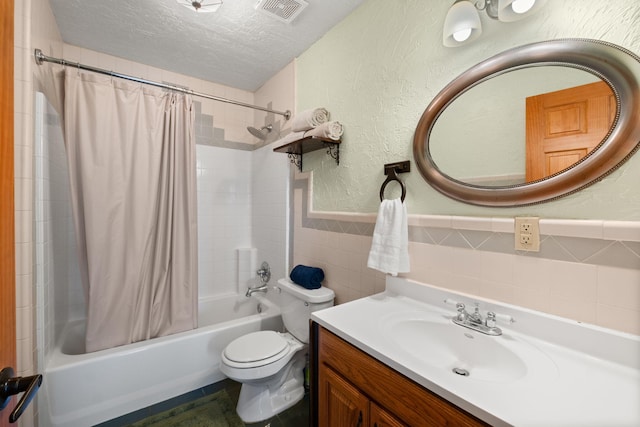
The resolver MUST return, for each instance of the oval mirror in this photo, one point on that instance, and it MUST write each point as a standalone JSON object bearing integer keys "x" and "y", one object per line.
{"x": 532, "y": 124}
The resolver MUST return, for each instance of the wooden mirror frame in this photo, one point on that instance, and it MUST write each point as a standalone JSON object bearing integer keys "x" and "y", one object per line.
{"x": 618, "y": 67}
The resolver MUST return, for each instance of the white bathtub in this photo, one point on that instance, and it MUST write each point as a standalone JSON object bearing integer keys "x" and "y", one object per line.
{"x": 86, "y": 389}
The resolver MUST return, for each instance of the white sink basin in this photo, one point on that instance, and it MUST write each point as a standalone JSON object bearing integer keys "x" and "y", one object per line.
{"x": 435, "y": 340}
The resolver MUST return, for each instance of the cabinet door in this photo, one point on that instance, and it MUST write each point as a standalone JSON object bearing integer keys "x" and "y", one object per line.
{"x": 381, "y": 418}
{"x": 340, "y": 403}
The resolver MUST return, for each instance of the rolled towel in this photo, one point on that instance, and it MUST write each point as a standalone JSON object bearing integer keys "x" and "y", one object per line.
{"x": 307, "y": 277}
{"x": 309, "y": 119}
{"x": 331, "y": 130}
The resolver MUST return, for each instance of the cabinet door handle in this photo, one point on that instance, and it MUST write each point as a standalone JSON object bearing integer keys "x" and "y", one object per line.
{"x": 359, "y": 420}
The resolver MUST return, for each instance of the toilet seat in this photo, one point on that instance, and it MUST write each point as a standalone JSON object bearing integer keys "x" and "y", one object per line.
{"x": 270, "y": 358}
{"x": 256, "y": 349}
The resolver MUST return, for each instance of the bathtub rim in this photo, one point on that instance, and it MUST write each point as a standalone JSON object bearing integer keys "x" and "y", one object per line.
{"x": 59, "y": 360}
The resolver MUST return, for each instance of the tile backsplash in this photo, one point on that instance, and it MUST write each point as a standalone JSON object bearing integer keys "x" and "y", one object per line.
{"x": 588, "y": 271}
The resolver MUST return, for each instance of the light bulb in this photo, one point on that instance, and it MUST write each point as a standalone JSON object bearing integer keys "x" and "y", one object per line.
{"x": 462, "y": 35}
{"x": 522, "y": 6}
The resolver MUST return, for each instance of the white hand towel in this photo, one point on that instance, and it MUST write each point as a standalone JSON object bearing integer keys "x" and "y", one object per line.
{"x": 309, "y": 119}
{"x": 390, "y": 246}
{"x": 331, "y": 130}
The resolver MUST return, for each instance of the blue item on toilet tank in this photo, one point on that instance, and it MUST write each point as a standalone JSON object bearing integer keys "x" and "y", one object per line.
{"x": 307, "y": 277}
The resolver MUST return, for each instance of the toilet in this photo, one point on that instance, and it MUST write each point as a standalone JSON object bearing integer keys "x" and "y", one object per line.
{"x": 270, "y": 364}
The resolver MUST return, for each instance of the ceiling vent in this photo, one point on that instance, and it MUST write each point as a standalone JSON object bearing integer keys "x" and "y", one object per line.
{"x": 282, "y": 10}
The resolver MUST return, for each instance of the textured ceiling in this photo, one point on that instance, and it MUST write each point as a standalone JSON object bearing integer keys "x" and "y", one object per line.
{"x": 236, "y": 46}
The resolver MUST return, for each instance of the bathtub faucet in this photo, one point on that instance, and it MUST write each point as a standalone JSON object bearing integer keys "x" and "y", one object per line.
{"x": 263, "y": 288}
{"x": 265, "y": 274}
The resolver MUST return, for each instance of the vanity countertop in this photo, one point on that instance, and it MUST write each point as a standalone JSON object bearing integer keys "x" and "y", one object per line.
{"x": 542, "y": 371}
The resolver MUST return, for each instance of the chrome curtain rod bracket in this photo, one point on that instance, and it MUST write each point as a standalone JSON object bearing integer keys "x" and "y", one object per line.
{"x": 41, "y": 58}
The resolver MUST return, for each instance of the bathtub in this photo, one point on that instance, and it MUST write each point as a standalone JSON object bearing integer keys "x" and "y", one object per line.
{"x": 85, "y": 389}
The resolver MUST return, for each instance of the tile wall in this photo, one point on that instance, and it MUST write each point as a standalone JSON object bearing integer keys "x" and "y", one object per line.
{"x": 34, "y": 26}
{"x": 270, "y": 196}
{"x": 59, "y": 296}
{"x": 224, "y": 216}
{"x": 588, "y": 271}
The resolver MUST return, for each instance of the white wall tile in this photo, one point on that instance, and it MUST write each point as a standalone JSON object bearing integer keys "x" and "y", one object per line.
{"x": 497, "y": 267}
{"x": 622, "y": 230}
{"x": 572, "y": 228}
{"x": 471, "y": 223}
{"x": 531, "y": 273}
{"x": 573, "y": 281}
{"x": 619, "y": 318}
{"x": 618, "y": 287}
{"x": 582, "y": 311}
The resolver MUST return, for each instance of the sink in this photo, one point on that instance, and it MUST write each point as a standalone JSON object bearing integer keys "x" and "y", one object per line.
{"x": 435, "y": 340}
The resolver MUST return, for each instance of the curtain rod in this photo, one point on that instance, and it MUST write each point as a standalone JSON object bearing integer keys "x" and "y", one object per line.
{"x": 41, "y": 57}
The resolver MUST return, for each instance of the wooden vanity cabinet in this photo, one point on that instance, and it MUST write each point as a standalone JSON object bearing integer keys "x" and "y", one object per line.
{"x": 345, "y": 405}
{"x": 352, "y": 389}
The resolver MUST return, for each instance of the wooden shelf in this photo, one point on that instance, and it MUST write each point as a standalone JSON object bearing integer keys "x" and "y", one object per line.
{"x": 296, "y": 149}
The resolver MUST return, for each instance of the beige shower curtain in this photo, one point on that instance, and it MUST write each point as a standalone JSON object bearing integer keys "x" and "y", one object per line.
{"x": 131, "y": 155}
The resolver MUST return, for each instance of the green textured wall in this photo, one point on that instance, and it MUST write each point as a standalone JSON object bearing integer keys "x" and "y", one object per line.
{"x": 378, "y": 70}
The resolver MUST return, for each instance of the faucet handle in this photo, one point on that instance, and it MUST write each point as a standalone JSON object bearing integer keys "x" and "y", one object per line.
{"x": 264, "y": 272}
{"x": 462, "y": 313}
{"x": 490, "y": 321}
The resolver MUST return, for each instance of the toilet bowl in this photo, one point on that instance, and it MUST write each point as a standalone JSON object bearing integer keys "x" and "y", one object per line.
{"x": 270, "y": 365}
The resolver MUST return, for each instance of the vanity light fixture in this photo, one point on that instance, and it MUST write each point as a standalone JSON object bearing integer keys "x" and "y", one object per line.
{"x": 462, "y": 23}
{"x": 201, "y": 6}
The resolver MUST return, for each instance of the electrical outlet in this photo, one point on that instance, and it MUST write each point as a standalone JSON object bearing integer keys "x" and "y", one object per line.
{"x": 525, "y": 227}
{"x": 527, "y": 234}
{"x": 525, "y": 239}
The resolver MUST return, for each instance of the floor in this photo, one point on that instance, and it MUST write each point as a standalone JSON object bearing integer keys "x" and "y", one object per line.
{"x": 296, "y": 416}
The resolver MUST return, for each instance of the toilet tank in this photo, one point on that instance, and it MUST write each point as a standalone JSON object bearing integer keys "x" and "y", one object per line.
{"x": 297, "y": 304}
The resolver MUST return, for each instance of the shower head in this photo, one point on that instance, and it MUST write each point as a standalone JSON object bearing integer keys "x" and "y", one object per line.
{"x": 261, "y": 133}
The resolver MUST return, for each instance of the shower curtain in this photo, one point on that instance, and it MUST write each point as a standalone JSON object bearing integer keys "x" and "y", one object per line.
{"x": 131, "y": 155}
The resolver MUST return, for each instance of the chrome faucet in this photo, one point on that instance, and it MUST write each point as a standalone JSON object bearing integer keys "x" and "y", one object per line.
{"x": 475, "y": 320}
{"x": 263, "y": 288}
{"x": 265, "y": 275}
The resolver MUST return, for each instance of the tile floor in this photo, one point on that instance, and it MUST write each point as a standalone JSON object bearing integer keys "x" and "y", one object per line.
{"x": 296, "y": 416}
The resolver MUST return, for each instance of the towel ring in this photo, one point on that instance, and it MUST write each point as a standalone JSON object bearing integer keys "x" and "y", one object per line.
{"x": 392, "y": 176}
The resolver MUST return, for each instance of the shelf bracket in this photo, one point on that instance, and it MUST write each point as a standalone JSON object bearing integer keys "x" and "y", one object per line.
{"x": 333, "y": 150}
{"x": 296, "y": 159}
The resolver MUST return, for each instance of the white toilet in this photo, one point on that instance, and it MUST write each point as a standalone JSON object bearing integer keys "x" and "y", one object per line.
{"x": 270, "y": 364}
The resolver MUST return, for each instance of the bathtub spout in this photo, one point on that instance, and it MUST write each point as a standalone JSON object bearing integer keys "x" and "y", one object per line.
{"x": 250, "y": 291}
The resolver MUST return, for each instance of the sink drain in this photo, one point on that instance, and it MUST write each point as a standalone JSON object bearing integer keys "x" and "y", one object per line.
{"x": 460, "y": 371}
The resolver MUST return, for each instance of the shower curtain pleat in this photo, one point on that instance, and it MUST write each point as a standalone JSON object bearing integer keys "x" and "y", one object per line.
{"x": 131, "y": 155}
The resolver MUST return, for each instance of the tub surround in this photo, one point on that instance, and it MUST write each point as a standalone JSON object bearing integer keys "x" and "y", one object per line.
{"x": 571, "y": 368}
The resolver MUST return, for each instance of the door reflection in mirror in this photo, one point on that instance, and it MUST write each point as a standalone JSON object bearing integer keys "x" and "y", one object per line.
{"x": 481, "y": 137}
{"x": 564, "y": 126}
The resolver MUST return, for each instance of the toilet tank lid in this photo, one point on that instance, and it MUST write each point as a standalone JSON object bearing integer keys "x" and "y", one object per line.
{"x": 314, "y": 296}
